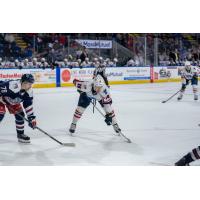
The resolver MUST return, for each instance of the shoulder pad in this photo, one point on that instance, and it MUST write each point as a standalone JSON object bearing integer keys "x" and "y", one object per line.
{"x": 30, "y": 92}
{"x": 15, "y": 86}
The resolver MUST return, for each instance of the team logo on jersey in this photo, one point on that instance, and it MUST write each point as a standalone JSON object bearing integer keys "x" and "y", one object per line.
{"x": 15, "y": 86}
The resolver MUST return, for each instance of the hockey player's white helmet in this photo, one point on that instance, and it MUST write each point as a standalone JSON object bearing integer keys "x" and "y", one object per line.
{"x": 43, "y": 60}
{"x": 187, "y": 63}
{"x": 35, "y": 59}
{"x": 115, "y": 60}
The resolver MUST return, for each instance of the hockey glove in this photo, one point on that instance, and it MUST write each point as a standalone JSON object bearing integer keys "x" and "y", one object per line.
{"x": 32, "y": 122}
{"x": 195, "y": 76}
{"x": 183, "y": 87}
{"x": 108, "y": 119}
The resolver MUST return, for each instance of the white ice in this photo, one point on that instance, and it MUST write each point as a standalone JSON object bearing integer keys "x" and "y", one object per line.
{"x": 160, "y": 133}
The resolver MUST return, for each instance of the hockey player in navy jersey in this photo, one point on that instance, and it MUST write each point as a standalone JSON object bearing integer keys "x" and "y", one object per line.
{"x": 190, "y": 157}
{"x": 95, "y": 89}
{"x": 16, "y": 95}
{"x": 189, "y": 74}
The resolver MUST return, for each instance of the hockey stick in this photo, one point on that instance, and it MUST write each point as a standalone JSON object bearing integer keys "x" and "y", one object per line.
{"x": 171, "y": 97}
{"x": 120, "y": 133}
{"x": 63, "y": 144}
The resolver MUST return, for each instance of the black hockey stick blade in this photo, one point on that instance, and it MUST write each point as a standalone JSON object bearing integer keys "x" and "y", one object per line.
{"x": 69, "y": 144}
{"x": 163, "y": 101}
{"x": 123, "y": 136}
{"x": 129, "y": 141}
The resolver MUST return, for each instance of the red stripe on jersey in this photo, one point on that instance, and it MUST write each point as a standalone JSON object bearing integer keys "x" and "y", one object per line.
{"x": 29, "y": 110}
{"x": 77, "y": 116}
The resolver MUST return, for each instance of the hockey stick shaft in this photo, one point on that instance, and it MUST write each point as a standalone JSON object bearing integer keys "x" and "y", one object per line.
{"x": 128, "y": 140}
{"x": 171, "y": 97}
{"x": 64, "y": 144}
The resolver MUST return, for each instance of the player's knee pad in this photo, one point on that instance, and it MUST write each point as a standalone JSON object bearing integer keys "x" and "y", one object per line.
{"x": 80, "y": 109}
{"x": 1, "y": 117}
{"x": 84, "y": 100}
{"x": 194, "y": 88}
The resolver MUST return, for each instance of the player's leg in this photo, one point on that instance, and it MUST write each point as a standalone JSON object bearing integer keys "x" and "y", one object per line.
{"x": 110, "y": 116}
{"x": 105, "y": 78}
{"x": 184, "y": 84}
{"x": 83, "y": 103}
{"x": 194, "y": 83}
{"x": 19, "y": 122}
{"x": 190, "y": 157}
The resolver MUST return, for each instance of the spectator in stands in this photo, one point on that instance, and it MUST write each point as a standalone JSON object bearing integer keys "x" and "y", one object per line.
{"x": 17, "y": 64}
{"x": 174, "y": 57}
{"x": 83, "y": 54}
{"x": 62, "y": 40}
{"x": 115, "y": 61}
{"x": 9, "y": 38}
{"x": 44, "y": 64}
{"x": 130, "y": 63}
{"x": 87, "y": 62}
{"x": 26, "y": 63}
{"x": 35, "y": 63}
{"x": 1, "y": 62}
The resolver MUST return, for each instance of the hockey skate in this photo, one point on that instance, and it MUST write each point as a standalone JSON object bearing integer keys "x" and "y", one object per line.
{"x": 180, "y": 97}
{"x": 195, "y": 97}
{"x": 22, "y": 138}
{"x": 182, "y": 162}
{"x": 72, "y": 128}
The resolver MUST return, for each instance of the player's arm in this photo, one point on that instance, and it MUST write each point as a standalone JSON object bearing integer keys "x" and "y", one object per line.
{"x": 82, "y": 86}
{"x": 28, "y": 106}
{"x": 106, "y": 102}
{"x": 3, "y": 91}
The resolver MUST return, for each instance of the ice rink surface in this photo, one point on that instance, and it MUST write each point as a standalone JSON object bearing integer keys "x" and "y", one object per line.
{"x": 160, "y": 133}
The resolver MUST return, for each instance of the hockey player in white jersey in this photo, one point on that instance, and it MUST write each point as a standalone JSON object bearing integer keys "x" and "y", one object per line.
{"x": 95, "y": 89}
{"x": 189, "y": 74}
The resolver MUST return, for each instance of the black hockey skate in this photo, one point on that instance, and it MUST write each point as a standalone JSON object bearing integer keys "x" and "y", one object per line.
{"x": 195, "y": 97}
{"x": 23, "y": 138}
{"x": 182, "y": 162}
{"x": 179, "y": 98}
{"x": 72, "y": 128}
